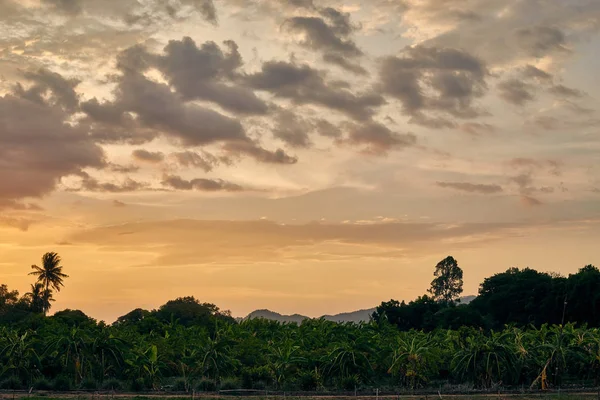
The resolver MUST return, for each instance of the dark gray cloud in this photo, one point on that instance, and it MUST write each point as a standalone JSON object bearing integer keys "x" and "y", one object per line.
{"x": 148, "y": 156}
{"x": 515, "y": 92}
{"x": 38, "y": 148}
{"x": 205, "y": 7}
{"x": 476, "y": 128}
{"x": 244, "y": 148}
{"x": 541, "y": 40}
{"x": 329, "y": 33}
{"x": 69, "y": 7}
{"x": 90, "y": 184}
{"x": 529, "y": 201}
{"x": 292, "y": 129}
{"x": 563, "y": 91}
{"x": 205, "y": 185}
{"x": 205, "y": 73}
{"x": 305, "y": 85}
{"x": 531, "y": 72}
{"x": 50, "y": 88}
{"x": 327, "y": 129}
{"x": 472, "y": 187}
{"x": 428, "y": 79}
{"x": 344, "y": 63}
{"x": 157, "y": 107}
{"x": 203, "y": 160}
{"x": 122, "y": 169}
{"x": 376, "y": 139}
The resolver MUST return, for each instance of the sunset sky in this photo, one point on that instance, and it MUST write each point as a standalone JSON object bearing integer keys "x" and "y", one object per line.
{"x": 309, "y": 156}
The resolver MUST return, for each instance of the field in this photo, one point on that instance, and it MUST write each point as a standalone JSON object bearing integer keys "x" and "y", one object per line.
{"x": 106, "y": 396}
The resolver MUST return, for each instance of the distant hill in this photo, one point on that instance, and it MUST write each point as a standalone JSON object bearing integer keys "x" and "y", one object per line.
{"x": 354, "y": 316}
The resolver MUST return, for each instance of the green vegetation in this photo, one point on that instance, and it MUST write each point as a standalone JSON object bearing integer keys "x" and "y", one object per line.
{"x": 525, "y": 330}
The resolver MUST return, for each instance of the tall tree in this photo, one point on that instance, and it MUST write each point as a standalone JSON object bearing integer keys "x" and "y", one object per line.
{"x": 39, "y": 298}
{"x": 448, "y": 283}
{"x": 50, "y": 275}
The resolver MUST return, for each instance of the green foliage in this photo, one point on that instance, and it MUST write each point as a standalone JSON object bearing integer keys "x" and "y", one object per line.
{"x": 206, "y": 385}
{"x": 62, "y": 383}
{"x": 42, "y": 384}
{"x": 89, "y": 384}
{"x": 230, "y": 384}
{"x": 448, "y": 283}
{"x": 112, "y": 384}
{"x": 512, "y": 335}
{"x": 12, "y": 383}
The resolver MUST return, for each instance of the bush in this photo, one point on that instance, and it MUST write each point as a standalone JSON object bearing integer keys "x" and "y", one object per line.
{"x": 12, "y": 383}
{"x": 350, "y": 382}
{"x": 180, "y": 385}
{"x": 309, "y": 381}
{"x": 230, "y": 384}
{"x": 112, "y": 384}
{"x": 206, "y": 385}
{"x": 62, "y": 384}
{"x": 89, "y": 384}
{"x": 42, "y": 384}
{"x": 137, "y": 385}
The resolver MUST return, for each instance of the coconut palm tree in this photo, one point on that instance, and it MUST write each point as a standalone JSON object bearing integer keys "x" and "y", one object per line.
{"x": 39, "y": 298}
{"x": 50, "y": 275}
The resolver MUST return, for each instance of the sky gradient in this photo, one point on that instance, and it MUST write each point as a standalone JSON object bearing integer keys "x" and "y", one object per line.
{"x": 298, "y": 155}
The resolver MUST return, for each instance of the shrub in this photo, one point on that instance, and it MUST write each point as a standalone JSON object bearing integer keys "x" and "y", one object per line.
{"x": 230, "y": 384}
{"x": 180, "y": 385}
{"x": 137, "y": 385}
{"x": 62, "y": 384}
{"x": 89, "y": 384}
{"x": 206, "y": 385}
{"x": 11, "y": 383}
{"x": 42, "y": 384}
{"x": 309, "y": 381}
{"x": 112, "y": 384}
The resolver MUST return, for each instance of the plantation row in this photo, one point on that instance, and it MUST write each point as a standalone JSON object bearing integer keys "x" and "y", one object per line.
{"x": 64, "y": 352}
{"x": 525, "y": 329}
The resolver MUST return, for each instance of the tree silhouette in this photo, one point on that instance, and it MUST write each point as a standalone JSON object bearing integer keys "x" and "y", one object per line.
{"x": 448, "y": 283}
{"x": 39, "y": 298}
{"x": 50, "y": 275}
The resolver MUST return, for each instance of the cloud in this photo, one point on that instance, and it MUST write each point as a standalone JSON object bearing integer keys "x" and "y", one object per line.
{"x": 531, "y": 72}
{"x": 69, "y": 7}
{"x": 376, "y": 138}
{"x": 476, "y": 128}
{"x": 205, "y": 73}
{"x": 148, "y": 156}
{"x": 329, "y": 33}
{"x": 205, "y": 7}
{"x": 541, "y": 40}
{"x": 118, "y": 204}
{"x": 38, "y": 148}
{"x": 292, "y": 130}
{"x": 61, "y": 91}
{"x": 203, "y": 160}
{"x": 200, "y": 184}
{"x": 260, "y": 154}
{"x": 529, "y": 201}
{"x": 439, "y": 80}
{"x": 515, "y": 92}
{"x": 305, "y": 85}
{"x": 90, "y": 184}
{"x": 157, "y": 107}
{"x": 471, "y": 187}
{"x": 563, "y": 91}
{"x": 184, "y": 242}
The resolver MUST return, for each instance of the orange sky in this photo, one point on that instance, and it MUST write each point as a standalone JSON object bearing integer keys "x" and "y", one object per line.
{"x": 302, "y": 156}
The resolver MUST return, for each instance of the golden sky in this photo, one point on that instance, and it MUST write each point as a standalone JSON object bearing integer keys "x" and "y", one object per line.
{"x": 309, "y": 156}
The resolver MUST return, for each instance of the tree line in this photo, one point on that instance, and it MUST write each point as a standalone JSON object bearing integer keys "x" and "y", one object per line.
{"x": 525, "y": 329}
